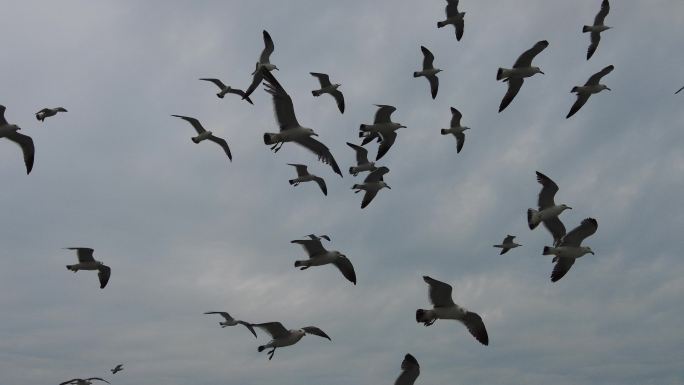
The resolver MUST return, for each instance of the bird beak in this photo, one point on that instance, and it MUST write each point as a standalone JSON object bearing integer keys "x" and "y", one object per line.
{"x": 314, "y": 134}
{"x": 389, "y": 187}
{"x": 592, "y": 253}
{"x": 569, "y": 208}
{"x": 542, "y": 72}
{"x": 608, "y": 89}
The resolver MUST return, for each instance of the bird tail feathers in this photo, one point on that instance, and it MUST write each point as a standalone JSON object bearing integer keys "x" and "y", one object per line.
{"x": 292, "y": 181}
{"x": 574, "y": 89}
{"x": 261, "y": 348}
{"x": 316, "y": 93}
{"x": 546, "y": 251}
{"x": 440, "y": 24}
{"x": 586, "y": 28}
{"x": 195, "y": 140}
{"x": 531, "y": 220}
{"x": 424, "y": 316}
{"x": 416, "y": 74}
{"x": 269, "y": 138}
{"x": 499, "y": 73}
{"x": 71, "y": 267}
{"x": 444, "y": 131}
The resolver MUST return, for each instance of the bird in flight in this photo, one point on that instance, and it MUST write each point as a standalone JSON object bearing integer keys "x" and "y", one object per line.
{"x": 522, "y": 68}
{"x": 11, "y": 132}
{"x": 203, "y": 134}
{"x": 224, "y": 89}
{"x": 589, "y": 88}
{"x": 230, "y": 321}
{"x": 596, "y": 29}
{"x": 329, "y": 88}
{"x": 87, "y": 262}
{"x": 282, "y": 337}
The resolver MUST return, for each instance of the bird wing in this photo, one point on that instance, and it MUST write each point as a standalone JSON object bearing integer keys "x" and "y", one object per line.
{"x": 440, "y": 292}
{"x": 596, "y": 78}
{"x": 514, "y": 85}
{"x": 384, "y": 113}
{"x": 248, "y": 326}
{"x": 601, "y": 16}
{"x": 315, "y": 331}
{"x": 368, "y": 197}
{"x": 346, "y": 268}
{"x": 282, "y": 103}
{"x": 339, "y": 99}
{"x": 595, "y": 38}
{"x": 434, "y": 85}
{"x": 70, "y": 381}
{"x": 241, "y": 93}
{"x": 451, "y": 9}
{"x": 460, "y": 139}
{"x": 579, "y": 233}
{"x": 476, "y": 327}
{"x": 428, "y": 58}
{"x": 301, "y": 169}
{"x": 313, "y": 247}
{"x": 218, "y": 82}
{"x": 548, "y": 191}
{"x": 525, "y": 60}
{"x": 581, "y": 100}
{"x": 376, "y": 176}
{"x": 27, "y": 148}
{"x": 119, "y": 366}
{"x": 103, "y": 274}
{"x": 409, "y": 370}
{"x": 275, "y": 329}
{"x": 97, "y": 378}
{"x": 256, "y": 80}
{"x": 455, "y": 117}
{"x": 323, "y": 79}
{"x": 387, "y": 142}
{"x": 320, "y": 149}
{"x": 460, "y": 26}
{"x": 321, "y": 184}
{"x": 3, "y": 121}
{"x": 224, "y": 145}
{"x": 195, "y": 123}
{"x": 556, "y": 228}
{"x": 679, "y": 90}
{"x": 503, "y": 251}
{"x": 268, "y": 48}
{"x": 223, "y": 314}
{"x": 361, "y": 153}
{"x": 561, "y": 268}
{"x": 508, "y": 239}
{"x": 84, "y": 254}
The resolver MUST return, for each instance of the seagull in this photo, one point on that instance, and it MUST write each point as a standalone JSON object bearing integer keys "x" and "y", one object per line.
{"x": 592, "y": 86}
{"x": 548, "y": 210}
{"x": 304, "y": 176}
{"x": 679, "y": 90}
{"x": 362, "y": 163}
{"x": 456, "y": 129}
{"x": 453, "y": 17}
{"x": 204, "y": 135}
{"x": 569, "y": 248}
{"x": 328, "y": 88}
{"x": 230, "y": 321}
{"x": 47, "y": 112}
{"x": 372, "y": 184}
{"x": 224, "y": 89}
{"x": 429, "y": 71}
{"x": 290, "y": 130}
{"x": 410, "y": 370}
{"x": 383, "y": 129}
{"x": 445, "y": 308}
{"x": 319, "y": 256}
{"x": 521, "y": 70}
{"x": 87, "y": 262}
{"x": 11, "y": 132}
{"x": 84, "y": 381}
{"x": 507, "y": 244}
{"x": 263, "y": 64}
{"x": 283, "y": 337}
{"x": 117, "y": 369}
{"x": 597, "y": 28}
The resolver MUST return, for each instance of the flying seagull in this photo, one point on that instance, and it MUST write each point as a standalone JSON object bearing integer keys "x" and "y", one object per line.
{"x": 592, "y": 86}
{"x": 507, "y": 244}
{"x": 283, "y": 337}
{"x": 87, "y": 262}
{"x": 362, "y": 163}
{"x": 371, "y": 185}
{"x": 319, "y": 256}
{"x": 429, "y": 71}
{"x": 230, "y": 321}
{"x": 84, "y": 381}
{"x": 410, "y": 370}
{"x": 383, "y": 129}
{"x": 597, "y": 28}
{"x": 445, "y": 308}
{"x": 290, "y": 129}
{"x": 521, "y": 70}
{"x": 117, "y": 369}
{"x": 548, "y": 210}
{"x": 456, "y": 129}
{"x": 203, "y": 134}
{"x": 454, "y": 18}
{"x": 679, "y": 90}
{"x": 11, "y": 132}
{"x": 47, "y": 112}
{"x": 224, "y": 89}
{"x": 262, "y": 65}
{"x": 304, "y": 176}
{"x": 328, "y": 88}
{"x": 569, "y": 248}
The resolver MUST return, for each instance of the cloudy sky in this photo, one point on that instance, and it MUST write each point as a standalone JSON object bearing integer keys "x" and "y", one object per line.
{"x": 185, "y": 231}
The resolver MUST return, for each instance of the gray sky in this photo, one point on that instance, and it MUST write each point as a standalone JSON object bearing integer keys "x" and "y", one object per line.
{"x": 186, "y": 232}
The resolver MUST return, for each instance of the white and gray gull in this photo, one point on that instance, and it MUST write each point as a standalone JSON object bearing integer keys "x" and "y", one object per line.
{"x": 86, "y": 261}
{"x": 429, "y": 71}
{"x": 47, "y": 112}
{"x": 410, "y": 370}
{"x": 453, "y": 17}
{"x": 507, "y": 244}
{"x": 230, "y": 321}
{"x": 522, "y": 68}
{"x": 318, "y": 256}
{"x": 329, "y": 88}
{"x": 304, "y": 176}
{"x": 373, "y": 183}
{"x": 383, "y": 129}
{"x": 117, "y": 369}
{"x": 597, "y": 28}
{"x": 11, "y": 132}
{"x": 569, "y": 248}
{"x": 224, "y": 89}
{"x": 592, "y": 86}
{"x": 282, "y": 337}
{"x": 203, "y": 134}
{"x": 456, "y": 129}
{"x": 264, "y": 64}
{"x": 548, "y": 211}
{"x": 362, "y": 163}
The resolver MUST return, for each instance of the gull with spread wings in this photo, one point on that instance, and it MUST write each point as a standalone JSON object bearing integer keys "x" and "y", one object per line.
{"x": 224, "y": 89}
{"x": 318, "y": 256}
{"x": 383, "y": 129}
{"x": 263, "y": 65}
{"x": 84, "y": 381}
{"x": 592, "y": 86}
{"x": 569, "y": 248}
{"x": 456, "y": 129}
{"x": 86, "y": 261}
{"x": 453, "y": 17}
{"x": 230, "y": 321}
{"x": 429, "y": 71}
{"x": 597, "y": 28}
{"x": 521, "y": 69}
{"x": 282, "y": 337}
{"x": 329, "y": 88}
{"x": 11, "y": 132}
{"x": 548, "y": 211}
{"x": 203, "y": 134}
{"x": 373, "y": 183}
{"x": 362, "y": 163}
{"x": 304, "y": 176}
{"x": 48, "y": 112}
{"x": 507, "y": 244}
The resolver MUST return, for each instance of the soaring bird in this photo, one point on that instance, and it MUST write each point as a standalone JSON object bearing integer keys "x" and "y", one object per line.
{"x": 11, "y": 132}
{"x": 592, "y": 86}
{"x": 224, "y": 89}
{"x": 445, "y": 308}
{"x": 117, "y": 369}
{"x": 230, "y": 321}
{"x": 84, "y": 381}
{"x": 521, "y": 70}
{"x": 290, "y": 129}
{"x": 454, "y": 17}
{"x": 329, "y": 88}
{"x": 679, "y": 90}
{"x": 262, "y": 65}
{"x": 373, "y": 183}
{"x": 410, "y": 370}
{"x": 456, "y": 129}
{"x": 203, "y": 134}
{"x": 570, "y": 248}
{"x": 282, "y": 337}
{"x": 304, "y": 176}
{"x": 507, "y": 244}
{"x": 597, "y": 28}
{"x": 87, "y": 262}
{"x": 362, "y": 163}
{"x": 319, "y": 256}
{"x": 383, "y": 129}
{"x": 47, "y": 112}
{"x": 429, "y": 71}
{"x": 548, "y": 210}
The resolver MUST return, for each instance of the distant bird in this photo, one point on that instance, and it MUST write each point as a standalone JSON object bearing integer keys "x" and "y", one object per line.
{"x": 362, "y": 163}
{"x": 84, "y": 381}
{"x": 548, "y": 210}
{"x": 117, "y": 369}
{"x": 597, "y": 28}
{"x": 304, "y": 176}
{"x": 592, "y": 86}
{"x": 290, "y": 129}
{"x": 454, "y": 17}
{"x": 445, "y": 308}
{"x": 262, "y": 65}
{"x": 383, "y": 129}
{"x": 521, "y": 70}
{"x": 371, "y": 185}
{"x": 569, "y": 248}
{"x": 224, "y": 89}
{"x": 410, "y": 370}
{"x": 429, "y": 71}
{"x": 679, "y": 90}
{"x": 11, "y": 132}
{"x": 87, "y": 262}
{"x": 507, "y": 244}
{"x": 283, "y": 337}
{"x": 203, "y": 134}
{"x": 47, "y": 112}
{"x": 319, "y": 256}
{"x": 328, "y": 88}
{"x": 230, "y": 321}
{"x": 456, "y": 129}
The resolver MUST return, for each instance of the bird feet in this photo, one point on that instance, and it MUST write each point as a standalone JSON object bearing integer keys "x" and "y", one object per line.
{"x": 276, "y": 147}
{"x": 271, "y": 353}
{"x": 428, "y": 323}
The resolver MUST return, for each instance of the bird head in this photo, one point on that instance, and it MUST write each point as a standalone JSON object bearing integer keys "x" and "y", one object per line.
{"x": 587, "y": 250}
{"x": 383, "y": 184}
{"x": 565, "y": 207}
{"x": 61, "y": 109}
{"x": 336, "y": 85}
{"x": 604, "y": 87}
{"x": 311, "y": 132}
{"x": 538, "y": 71}
{"x": 466, "y": 128}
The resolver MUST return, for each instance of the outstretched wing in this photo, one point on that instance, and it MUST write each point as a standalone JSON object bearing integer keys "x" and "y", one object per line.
{"x": 27, "y": 148}
{"x": 455, "y": 117}
{"x": 346, "y": 268}
{"x": 434, "y": 85}
{"x": 410, "y": 370}
{"x": 595, "y": 38}
{"x": 460, "y": 26}
{"x": 195, "y": 123}
{"x": 223, "y": 314}
{"x": 218, "y": 82}
{"x": 301, "y": 169}
{"x": 282, "y": 103}
{"x": 315, "y": 331}
{"x": 440, "y": 292}
{"x": 451, "y": 9}
{"x": 525, "y": 60}
{"x": 224, "y": 145}
{"x": 387, "y": 142}
{"x": 241, "y": 93}
{"x": 679, "y": 90}
{"x": 460, "y": 139}
{"x": 84, "y": 254}
{"x": 384, "y": 113}
{"x": 323, "y": 79}
{"x": 556, "y": 228}
{"x": 548, "y": 191}
{"x": 368, "y": 197}
{"x": 248, "y": 326}
{"x": 98, "y": 379}
{"x": 596, "y": 78}
{"x": 561, "y": 268}
{"x": 601, "y": 16}
{"x": 339, "y": 99}
{"x": 257, "y": 77}
{"x": 514, "y": 85}
{"x": 321, "y": 184}
{"x": 275, "y": 329}
{"x": 377, "y": 175}
{"x": 268, "y": 48}
{"x": 3, "y": 121}
{"x": 476, "y": 327}
{"x": 313, "y": 247}
{"x": 575, "y": 237}
{"x": 320, "y": 149}
{"x": 103, "y": 274}
{"x": 581, "y": 100}
{"x": 361, "y": 153}
{"x": 428, "y": 58}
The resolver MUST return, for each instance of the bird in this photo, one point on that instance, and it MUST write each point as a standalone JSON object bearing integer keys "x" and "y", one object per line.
{"x": 11, "y": 132}
{"x": 84, "y": 381}
{"x": 507, "y": 244}
{"x": 282, "y": 337}
{"x": 597, "y": 28}
{"x": 230, "y": 321}
{"x": 224, "y": 89}
{"x": 454, "y": 18}
{"x": 319, "y": 256}
{"x": 117, "y": 369}
{"x": 87, "y": 262}
{"x": 362, "y": 163}
{"x": 371, "y": 185}
{"x": 329, "y": 88}
{"x": 569, "y": 248}
{"x": 203, "y": 134}
{"x": 445, "y": 308}
{"x": 410, "y": 370}
{"x": 383, "y": 129}
{"x": 429, "y": 71}
{"x": 47, "y": 112}
{"x": 262, "y": 65}
{"x": 548, "y": 210}
{"x": 304, "y": 176}
{"x": 521, "y": 70}
{"x": 592, "y": 86}
{"x": 456, "y": 129}
{"x": 290, "y": 129}
{"x": 679, "y": 90}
